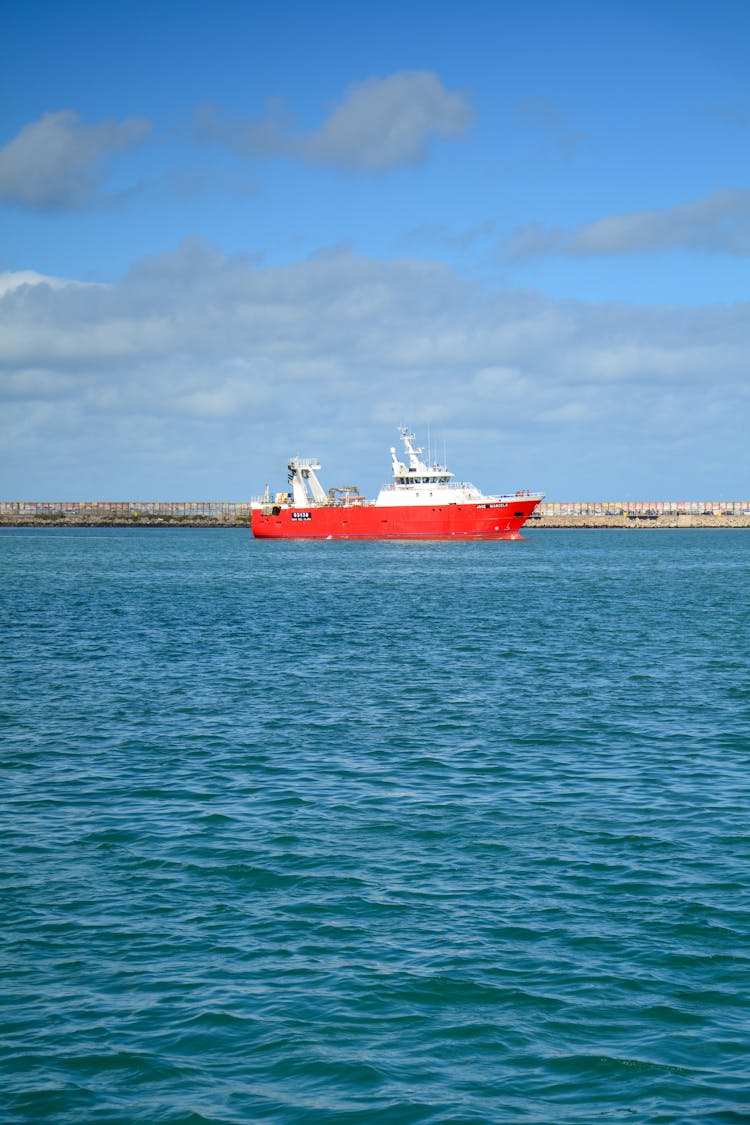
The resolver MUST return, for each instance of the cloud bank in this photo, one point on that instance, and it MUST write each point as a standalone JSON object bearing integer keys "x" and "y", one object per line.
{"x": 380, "y": 124}
{"x": 221, "y": 367}
{"x": 58, "y": 163}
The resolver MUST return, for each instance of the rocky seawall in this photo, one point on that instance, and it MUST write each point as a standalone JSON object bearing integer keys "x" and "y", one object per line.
{"x": 640, "y": 523}
{"x": 77, "y": 520}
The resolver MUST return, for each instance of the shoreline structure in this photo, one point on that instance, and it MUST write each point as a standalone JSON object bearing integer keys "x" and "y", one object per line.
{"x": 154, "y": 513}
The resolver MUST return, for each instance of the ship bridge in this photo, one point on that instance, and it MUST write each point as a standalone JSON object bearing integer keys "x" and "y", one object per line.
{"x": 416, "y": 471}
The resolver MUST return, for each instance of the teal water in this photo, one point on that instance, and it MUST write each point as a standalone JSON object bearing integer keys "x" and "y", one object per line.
{"x": 390, "y": 832}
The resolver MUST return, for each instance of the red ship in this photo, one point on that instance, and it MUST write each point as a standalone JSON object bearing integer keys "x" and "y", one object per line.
{"x": 422, "y": 502}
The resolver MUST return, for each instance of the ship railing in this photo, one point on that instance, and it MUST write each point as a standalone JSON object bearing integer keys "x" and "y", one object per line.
{"x": 352, "y": 502}
{"x": 463, "y": 486}
{"x": 453, "y": 485}
{"x": 467, "y": 486}
{"x": 524, "y": 494}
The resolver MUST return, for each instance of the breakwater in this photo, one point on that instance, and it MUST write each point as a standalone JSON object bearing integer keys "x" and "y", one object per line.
{"x": 643, "y": 514}
{"x": 146, "y": 513}
{"x": 220, "y": 513}
{"x": 720, "y": 519}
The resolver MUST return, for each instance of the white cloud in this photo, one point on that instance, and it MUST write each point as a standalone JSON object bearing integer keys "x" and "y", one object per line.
{"x": 59, "y": 162}
{"x": 15, "y": 279}
{"x": 229, "y": 366}
{"x": 380, "y": 124}
{"x": 386, "y": 122}
{"x": 716, "y": 224}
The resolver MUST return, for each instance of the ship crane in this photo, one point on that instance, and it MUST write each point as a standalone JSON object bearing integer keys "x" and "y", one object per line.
{"x": 306, "y": 488}
{"x": 348, "y": 492}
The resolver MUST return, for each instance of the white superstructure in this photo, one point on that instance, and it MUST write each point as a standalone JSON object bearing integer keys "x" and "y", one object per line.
{"x": 415, "y": 482}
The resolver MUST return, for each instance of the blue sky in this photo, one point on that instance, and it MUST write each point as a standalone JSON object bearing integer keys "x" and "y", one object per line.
{"x": 234, "y": 232}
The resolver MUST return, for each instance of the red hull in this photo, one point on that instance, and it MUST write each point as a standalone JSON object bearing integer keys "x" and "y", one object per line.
{"x": 417, "y": 521}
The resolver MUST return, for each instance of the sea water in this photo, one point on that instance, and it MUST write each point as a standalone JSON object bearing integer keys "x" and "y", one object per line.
{"x": 375, "y": 832}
